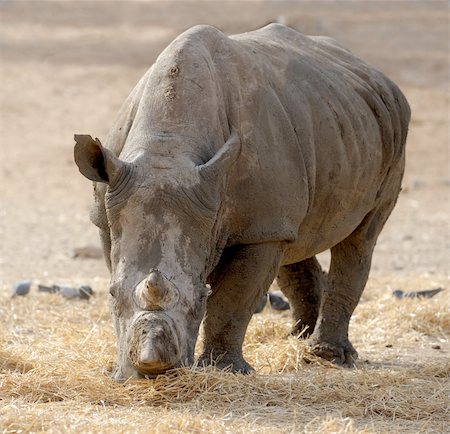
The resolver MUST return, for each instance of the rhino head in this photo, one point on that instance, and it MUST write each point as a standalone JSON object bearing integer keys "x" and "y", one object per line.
{"x": 163, "y": 218}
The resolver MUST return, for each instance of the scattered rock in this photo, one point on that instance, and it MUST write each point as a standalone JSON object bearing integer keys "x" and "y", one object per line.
{"x": 87, "y": 252}
{"x": 44, "y": 288}
{"x": 70, "y": 292}
{"x": 277, "y": 302}
{"x": 21, "y": 288}
{"x": 436, "y": 347}
{"x": 426, "y": 293}
{"x": 388, "y": 345}
{"x": 83, "y": 292}
{"x": 261, "y": 303}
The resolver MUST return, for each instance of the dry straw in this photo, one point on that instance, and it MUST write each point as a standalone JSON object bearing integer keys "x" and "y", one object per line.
{"x": 55, "y": 355}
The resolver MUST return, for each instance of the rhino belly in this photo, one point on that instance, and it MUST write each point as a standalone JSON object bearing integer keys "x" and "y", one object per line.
{"x": 318, "y": 233}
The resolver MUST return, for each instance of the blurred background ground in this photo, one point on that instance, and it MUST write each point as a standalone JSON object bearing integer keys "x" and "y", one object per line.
{"x": 66, "y": 67}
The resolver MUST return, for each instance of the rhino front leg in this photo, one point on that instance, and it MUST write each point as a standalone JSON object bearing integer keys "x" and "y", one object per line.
{"x": 244, "y": 273}
{"x": 302, "y": 283}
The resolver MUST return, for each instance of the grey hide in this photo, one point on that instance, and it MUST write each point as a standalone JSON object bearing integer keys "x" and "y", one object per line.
{"x": 234, "y": 161}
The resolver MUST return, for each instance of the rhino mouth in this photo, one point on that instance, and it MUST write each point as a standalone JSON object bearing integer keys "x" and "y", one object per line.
{"x": 153, "y": 366}
{"x": 152, "y": 371}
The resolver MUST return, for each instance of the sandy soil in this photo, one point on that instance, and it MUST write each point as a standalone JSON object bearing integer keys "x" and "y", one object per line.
{"x": 67, "y": 66}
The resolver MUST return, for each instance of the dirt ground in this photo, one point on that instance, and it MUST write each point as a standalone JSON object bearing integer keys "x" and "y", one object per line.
{"x": 66, "y": 67}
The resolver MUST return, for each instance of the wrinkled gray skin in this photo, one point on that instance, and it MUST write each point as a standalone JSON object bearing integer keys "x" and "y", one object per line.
{"x": 233, "y": 162}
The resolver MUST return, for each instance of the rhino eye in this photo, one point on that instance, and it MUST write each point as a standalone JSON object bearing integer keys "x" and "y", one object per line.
{"x": 113, "y": 290}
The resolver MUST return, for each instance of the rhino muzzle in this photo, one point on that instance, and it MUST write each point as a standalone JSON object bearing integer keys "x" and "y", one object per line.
{"x": 153, "y": 344}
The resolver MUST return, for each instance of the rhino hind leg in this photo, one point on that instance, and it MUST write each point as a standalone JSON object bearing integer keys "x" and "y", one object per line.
{"x": 349, "y": 271}
{"x": 243, "y": 274}
{"x": 302, "y": 283}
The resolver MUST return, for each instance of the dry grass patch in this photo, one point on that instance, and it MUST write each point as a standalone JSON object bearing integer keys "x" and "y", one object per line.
{"x": 56, "y": 354}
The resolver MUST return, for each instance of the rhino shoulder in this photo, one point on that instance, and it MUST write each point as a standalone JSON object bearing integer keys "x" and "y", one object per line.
{"x": 203, "y": 30}
{"x": 196, "y": 38}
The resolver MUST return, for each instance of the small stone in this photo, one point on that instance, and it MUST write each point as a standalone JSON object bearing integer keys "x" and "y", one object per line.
{"x": 426, "y": 293}
{"x": 398, "y": 293}
{"x": 277, "y": 302}
{"x": 44, "y": 288}
{"x": 69, "y": 292}
{"x": 86, "y": 290}
{"x": 21, "y": 288}
{"x": 87, "y": 252}
{"x": 436, "y": 347}
{"x": 261, "y": 303}
{"x": 388, "y": 345}
{"x": 83, "y": 292}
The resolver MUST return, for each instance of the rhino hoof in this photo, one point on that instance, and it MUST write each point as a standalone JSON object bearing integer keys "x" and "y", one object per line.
{"x": 235, "y": 364}
{"x": 342, "y": 355}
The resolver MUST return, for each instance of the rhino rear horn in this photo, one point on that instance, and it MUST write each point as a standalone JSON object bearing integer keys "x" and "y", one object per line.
{"x": 156, "y": 292}
{"x": 94, "y": 161}
{"x": 224, "y": 158}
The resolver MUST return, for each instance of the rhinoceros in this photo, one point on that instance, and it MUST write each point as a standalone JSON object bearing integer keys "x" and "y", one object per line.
{"x": 233, "y": 162}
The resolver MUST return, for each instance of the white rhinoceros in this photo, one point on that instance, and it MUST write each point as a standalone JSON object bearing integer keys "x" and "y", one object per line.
{"x": 233, "y": 161}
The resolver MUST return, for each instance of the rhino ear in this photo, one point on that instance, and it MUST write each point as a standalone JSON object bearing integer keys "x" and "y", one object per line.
{"x": 94, "y": 161}
{"x": 224, "y": 158}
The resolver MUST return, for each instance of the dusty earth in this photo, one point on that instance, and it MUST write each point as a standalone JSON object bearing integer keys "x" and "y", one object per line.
{"x": 65, "y": 68}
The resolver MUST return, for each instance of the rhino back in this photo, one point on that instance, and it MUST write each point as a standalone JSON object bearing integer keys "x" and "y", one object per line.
{"x": 320, "y": 129}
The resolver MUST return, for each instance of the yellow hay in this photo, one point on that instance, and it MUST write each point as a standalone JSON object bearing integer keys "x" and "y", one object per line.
{"x": 56, "y": 354}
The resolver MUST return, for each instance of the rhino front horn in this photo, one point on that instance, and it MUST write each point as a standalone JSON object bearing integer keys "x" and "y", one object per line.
{"x": 156, "y": 292}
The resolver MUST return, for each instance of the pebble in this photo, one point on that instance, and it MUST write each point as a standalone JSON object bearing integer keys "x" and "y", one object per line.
{"x": 426, "y": 293}
{"x": 261, "y": 303}
{"x": 277, "y": 302}
{"x": 83, "y": 292}
{"x": 436, "y": 347}
{"x": 87, "y": 252}
{"x": 21, "y": 288}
